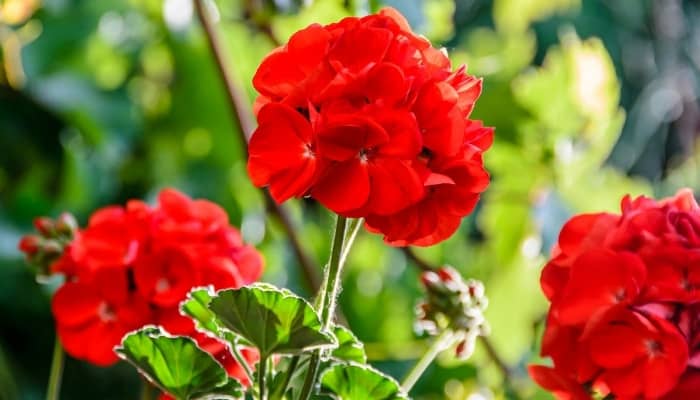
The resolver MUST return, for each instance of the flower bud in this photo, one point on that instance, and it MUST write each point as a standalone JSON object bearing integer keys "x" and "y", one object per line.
{"x": 455, "y": 304}
{"x": 429, "y": 278}
{"x": 29, "y": 245}
{"x": 42, "y": 250}
{"x": 66, "y": 224}
{"x": 44, "y": 225}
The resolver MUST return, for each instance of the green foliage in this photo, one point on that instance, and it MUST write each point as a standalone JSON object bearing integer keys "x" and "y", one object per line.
{"x": 177, "y": 366}
{"x": 120, "y": 99}
{"x": 517, "y": 15}
{"x": 196, "y": 306}
{"x": 274, "y": 320}
{"x": 359, "y": 382}
{"x": 349, "y": 347}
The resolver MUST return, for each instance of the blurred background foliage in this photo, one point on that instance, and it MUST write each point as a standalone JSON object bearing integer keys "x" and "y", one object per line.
{"x": 102, "y": 101}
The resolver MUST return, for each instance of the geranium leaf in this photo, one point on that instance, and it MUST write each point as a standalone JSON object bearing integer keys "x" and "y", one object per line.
{"x": 273, "y": 320}
{"x": 359, "y": 382}
{"x": 176, "y": 365}
{"x": 349, "y": 347}
{"x": 196, "y": 306}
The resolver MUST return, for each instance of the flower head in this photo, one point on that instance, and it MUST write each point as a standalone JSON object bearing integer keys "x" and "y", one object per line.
{"x": 369, "y": 119}
{"x": 624, "y": 290}
{"x": 133, "y": 265}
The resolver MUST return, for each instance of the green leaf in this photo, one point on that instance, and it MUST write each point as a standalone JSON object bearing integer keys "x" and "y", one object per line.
{"x": 196, "y": 306}
{"x": 359, "y": 382}
{"x": 349, "y": 347}
{"x": 176, "y": 365}
{"x": 273, "y": 320}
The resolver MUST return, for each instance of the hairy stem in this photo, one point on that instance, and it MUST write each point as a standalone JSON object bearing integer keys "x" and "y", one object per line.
{"x": 328, "y": 294}
{"x": 242, "y": 361}
{"x": 56, "y": 375}
{"x": 441, "y": 343}
{"x": 262, "y": 371}
{"x": 245, "y": 124}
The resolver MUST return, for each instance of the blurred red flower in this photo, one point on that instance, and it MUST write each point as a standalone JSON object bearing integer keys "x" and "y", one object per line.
{"x": 133, "y": 265}
{"x": 369, "y": 119}
{"x": 624, "y": 289}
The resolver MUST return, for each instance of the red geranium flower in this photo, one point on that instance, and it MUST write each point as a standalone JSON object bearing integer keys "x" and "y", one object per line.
{"x": 133, "y": 265}
{"x": 377, "y": 131}
{"x": 624, "y": 289}
{"x": 92, "y": 317}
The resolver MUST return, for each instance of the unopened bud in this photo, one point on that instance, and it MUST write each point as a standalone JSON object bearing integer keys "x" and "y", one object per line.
{"x": 465, "y": 348}
{"x": 44, "y": 226}
{"x": 476, "y": 288}
{"x": 430, "y": 278}
{"x": 66, "y": 224}
{"x": 29, "y": 245}
{"x": 52, "y": 248}
{"x": 447, "y": 274}
{"x": 44, "y": 248}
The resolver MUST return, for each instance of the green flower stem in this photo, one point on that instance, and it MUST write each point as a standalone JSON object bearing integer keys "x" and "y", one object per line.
{"x": 262, "y": 371}
{"x": 290, "y": 372}
{"x": 441, "y": 343}
{"x": 241, "y": 360}
{"x": 328, "y": 294}
{"x": 146, "y": 390}
{"x": 353, "y": 228}
{"x": 54, "y": 386}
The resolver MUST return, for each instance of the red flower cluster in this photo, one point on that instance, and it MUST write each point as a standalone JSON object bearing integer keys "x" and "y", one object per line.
{"x": 625, "y": 312}
{"x": 133, "y": 265}
{"x": 370, "y": 120}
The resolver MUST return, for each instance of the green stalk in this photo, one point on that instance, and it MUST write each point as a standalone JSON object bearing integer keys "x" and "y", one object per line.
{"x": 327, "y": 297}
{"x": 54, "y": 387}
{"x": 281, "y": 390}
{"x": 262, "y": 370}
{"x": 146, "y": 390}
{"x": 441, "y": 343}
{"x": 352, "y": 230}
{"x": 242, "y": 361}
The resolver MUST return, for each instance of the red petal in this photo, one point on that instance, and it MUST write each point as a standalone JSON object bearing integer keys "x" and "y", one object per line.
{"x": 446, "y": 227}
{"x": 308, "y": 48}
{"x": 343, "y": 136}
{"x": 275, "y": 78}
{"x": 75, "y": 304}
{"x": 394, "y": 186}
{"x": 585, "y": 231}
{"x": 250, "y": 264}
{"x": 617, "y": 346}
{"x": 562, "y": 387}
{"x": 281, "y": 142}
{"x": 404, "y": 138}
{"x": 600, "y": 278}
{"x": 347, "y": 54}
{"x": 295, "y": 181}
{"x": 386, "y": 83}
{"x": 397, "y": 17}
{"x": 344, "y": 187}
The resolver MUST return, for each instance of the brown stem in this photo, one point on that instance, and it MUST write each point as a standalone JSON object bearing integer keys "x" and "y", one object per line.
{"x": 488, "y": 346}
{"x": 245, "y": 124}
{"x": 260, "y": 20}
{"x": 496, "y": 358}
{"x": 417, "y": 261}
